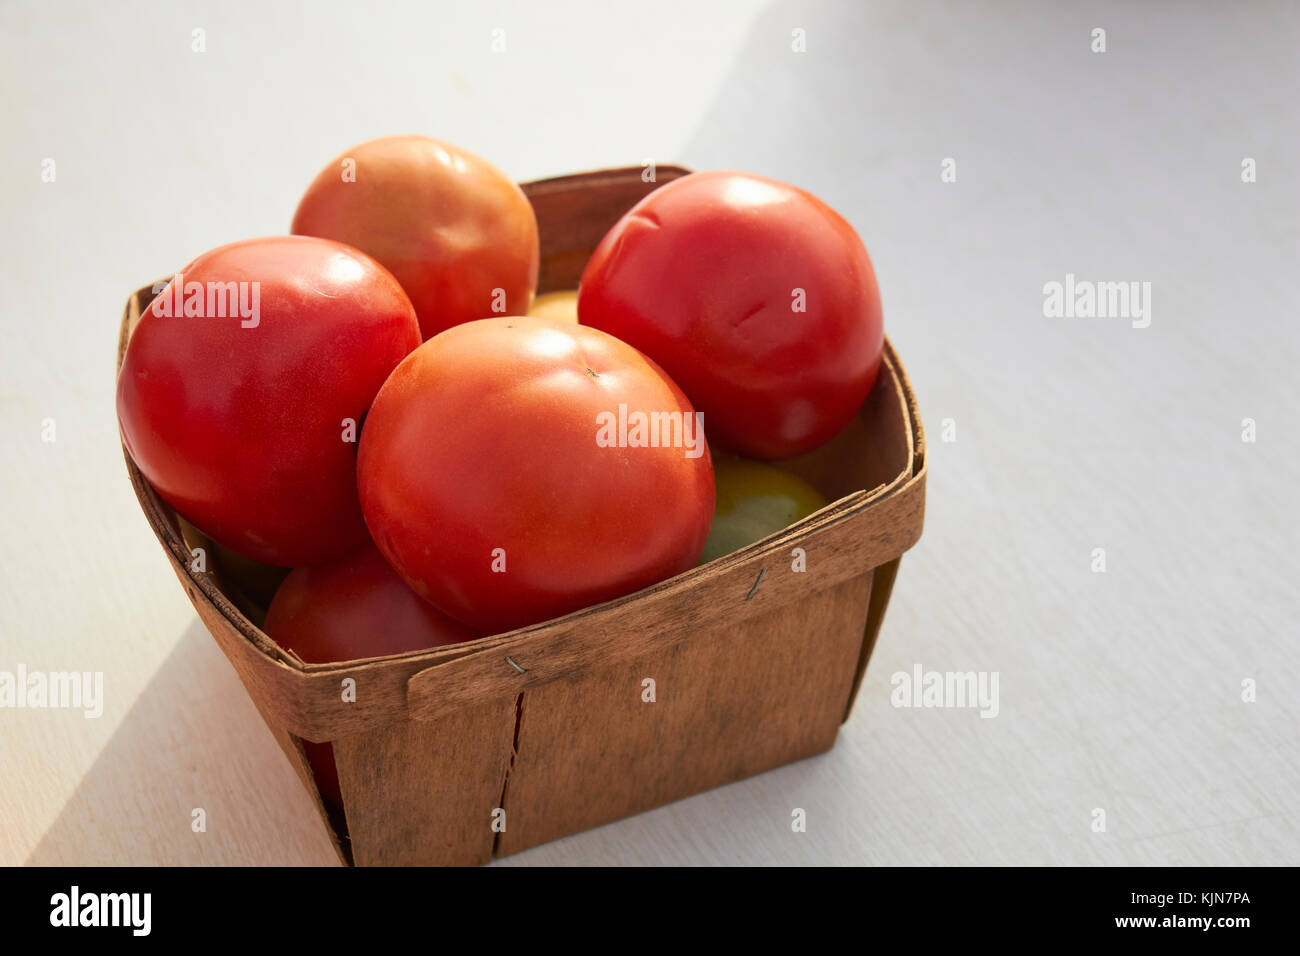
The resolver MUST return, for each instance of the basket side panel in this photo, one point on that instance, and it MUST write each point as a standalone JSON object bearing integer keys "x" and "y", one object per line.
{"x": 730, "y": 701}
{"x": 882, "y": 586}
{"x": 423, "y": 794}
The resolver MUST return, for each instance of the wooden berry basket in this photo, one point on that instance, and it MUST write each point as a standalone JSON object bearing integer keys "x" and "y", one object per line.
{"x": 755, "y": 662}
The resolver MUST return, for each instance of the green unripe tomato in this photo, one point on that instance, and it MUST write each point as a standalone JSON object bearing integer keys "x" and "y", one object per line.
{"x": 754, "y": 499}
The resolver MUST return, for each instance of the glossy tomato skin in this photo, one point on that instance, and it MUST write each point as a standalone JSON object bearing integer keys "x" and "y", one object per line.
{"x": 483, "y": 450}
{"x": 349, "y": 609}
{"x": 239, "y": 423}
{"x": 448, "y": 224}
{"x": 703, "y": 275}
{"x": 356, "y": 607}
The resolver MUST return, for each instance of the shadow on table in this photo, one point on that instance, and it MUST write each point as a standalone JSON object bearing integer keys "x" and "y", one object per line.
{"x": 192, "y": 739}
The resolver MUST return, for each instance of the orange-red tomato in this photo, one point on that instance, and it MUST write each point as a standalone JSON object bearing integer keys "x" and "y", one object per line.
{"x": 502, "y": 474}
{"x": 244, "y": 386}
{"x": 459, "y": 235}
{"x": 353, "y": 608}
{"x": 756, "y": 297}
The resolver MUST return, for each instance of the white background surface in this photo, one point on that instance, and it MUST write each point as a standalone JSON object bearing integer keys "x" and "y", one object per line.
{"x": 1119, "y": 691}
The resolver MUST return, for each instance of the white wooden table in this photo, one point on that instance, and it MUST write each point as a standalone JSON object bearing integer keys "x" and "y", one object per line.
{"x": 1119, "y": 691}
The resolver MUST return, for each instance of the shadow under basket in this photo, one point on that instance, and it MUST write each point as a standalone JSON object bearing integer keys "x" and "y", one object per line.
{"x": 462, "y": 753}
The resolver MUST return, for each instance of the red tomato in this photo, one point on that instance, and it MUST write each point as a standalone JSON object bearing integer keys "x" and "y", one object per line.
{"x": 356, "y": 607}
{"x": 240, "y": 422}
{"x": 492, "y": 477}
{"x": 353, "y": 608}
{"x": 756, "y": 297}
{"x": 449, "y": 225}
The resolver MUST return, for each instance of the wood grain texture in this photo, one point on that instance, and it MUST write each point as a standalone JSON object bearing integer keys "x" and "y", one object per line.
{"x": 423, "y": 794}
{"x": 882, "y": 586}
{"x": 730, "y": 701}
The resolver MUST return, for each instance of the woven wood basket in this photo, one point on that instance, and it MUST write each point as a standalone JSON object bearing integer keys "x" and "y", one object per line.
{"x": 755, "y": 662}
